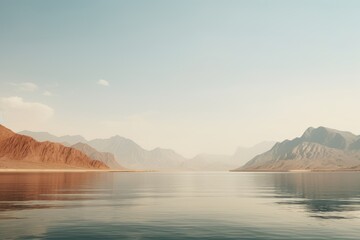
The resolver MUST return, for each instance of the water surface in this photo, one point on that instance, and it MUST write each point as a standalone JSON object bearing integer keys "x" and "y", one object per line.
{"x": 180, "y": 205}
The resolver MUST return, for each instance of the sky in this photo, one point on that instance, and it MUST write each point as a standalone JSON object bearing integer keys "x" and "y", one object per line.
{"x": 196, "y": 76}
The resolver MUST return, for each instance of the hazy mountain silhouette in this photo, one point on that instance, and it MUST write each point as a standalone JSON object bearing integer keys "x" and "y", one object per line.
{"x": 127, "y": 153}
{"x": 67, "y": 140}
{"x": 104, "y": 157}
{"x": 218, "y": 162}
{"x": 131, "y": 155}
{"x": 317, "y": 149}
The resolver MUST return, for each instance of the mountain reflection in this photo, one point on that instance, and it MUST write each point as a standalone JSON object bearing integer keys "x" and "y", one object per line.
{"x": 45, "y": 190}
{"x": 324, "y": 195}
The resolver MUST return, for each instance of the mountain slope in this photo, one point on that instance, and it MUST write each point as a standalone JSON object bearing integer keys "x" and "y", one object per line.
{"x": 132, "y": 156}
{"x": 162, "y": 158}
{"x": 243, "y": 155}
{"x": 317, "y": 149}
{"x": 20, "y": 151}
{"x": 104, "y": 157}
{"x": 44, "y": 136}
{"x": 127, "y": 152}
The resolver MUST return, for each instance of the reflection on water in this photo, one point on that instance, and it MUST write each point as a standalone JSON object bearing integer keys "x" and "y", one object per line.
{"x": 180, "y": 205}
{"x": 325, "y": 195}
{"x": 39, "y": 190}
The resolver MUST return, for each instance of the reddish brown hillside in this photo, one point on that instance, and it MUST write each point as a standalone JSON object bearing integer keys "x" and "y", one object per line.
{"x": 5, "y": 133}
{"x": 20, "y": 151}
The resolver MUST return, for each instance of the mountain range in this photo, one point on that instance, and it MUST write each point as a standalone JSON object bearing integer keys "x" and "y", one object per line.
{"x": 317, "y": 149}
{"x": 123, "y": 151}
{"x": 19, "y": 151}
{"x": 66, "y": 140}
{"x": 132, "y": 156}
{"x": 129, "y": 154}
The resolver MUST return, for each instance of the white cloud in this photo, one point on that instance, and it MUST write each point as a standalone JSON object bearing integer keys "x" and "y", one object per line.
{"x": 47, "y": 93}
{"x": 26, "y": 86}
{"x": 18, "y": 114}
{"x": 103, "y": 82}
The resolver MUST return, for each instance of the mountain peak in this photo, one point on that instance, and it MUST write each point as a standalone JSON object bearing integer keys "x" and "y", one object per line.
{"x": 323, "y": 130}
{"x": 319, "y": 130}
{"x": 82, "y": 145}
{"x": 79, "y": 137}
{"x": 329, "y": 137}
{"x": 45, "y": 136}
{"x": 118, "y": 137}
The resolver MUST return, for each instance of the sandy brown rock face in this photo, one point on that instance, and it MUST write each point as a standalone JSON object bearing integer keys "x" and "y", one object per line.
{"x": 317, "y": 149}
{"x": 20, "y": 148}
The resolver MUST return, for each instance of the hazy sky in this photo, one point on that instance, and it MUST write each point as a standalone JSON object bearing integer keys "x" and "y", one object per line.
{"x": 194, "y": 76}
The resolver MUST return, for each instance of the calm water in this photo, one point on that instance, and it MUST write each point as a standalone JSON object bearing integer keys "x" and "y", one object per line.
{"x": 180, "y": 205}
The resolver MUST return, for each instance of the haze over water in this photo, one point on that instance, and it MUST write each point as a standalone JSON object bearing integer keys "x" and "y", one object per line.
{"x": 180, "y": 205}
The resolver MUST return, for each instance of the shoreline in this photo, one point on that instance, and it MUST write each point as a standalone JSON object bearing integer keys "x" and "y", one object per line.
{"x": 36, "y": 170}
{"x": 13, "y": 170}
{"x": 297, "y": 171}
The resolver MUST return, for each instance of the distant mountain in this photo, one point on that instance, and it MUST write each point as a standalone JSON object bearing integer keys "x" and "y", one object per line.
{"x": 20, "y": 151}
{"x": 132, "y": 156}
{"x": 218, "y": 162}
{"x": 164, "y": 158}
{"x": 104, "y": 157}
{"x": 317, "y": 149}
{"x": 127, "y": 153}
{"x": 66, "y": 140}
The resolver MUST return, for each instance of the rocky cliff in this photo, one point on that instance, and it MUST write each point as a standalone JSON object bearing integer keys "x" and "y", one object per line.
{"x": 317, "y": 149}
{"x": 19, "y": 151}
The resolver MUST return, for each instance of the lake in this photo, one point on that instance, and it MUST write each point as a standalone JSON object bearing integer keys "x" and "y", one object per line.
{"x": 179, "y": 205}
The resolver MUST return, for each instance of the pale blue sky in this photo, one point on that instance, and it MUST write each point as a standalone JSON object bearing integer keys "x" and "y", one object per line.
{"x": 195, "y": 76}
